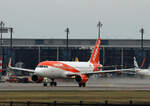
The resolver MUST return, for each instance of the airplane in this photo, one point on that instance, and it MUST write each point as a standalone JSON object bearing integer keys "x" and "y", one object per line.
{"x": 138, "y": 70}
{"x": 80, "y": 71}
{"x": 77, "y": 59}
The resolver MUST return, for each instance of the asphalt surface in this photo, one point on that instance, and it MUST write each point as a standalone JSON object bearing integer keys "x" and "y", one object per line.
{"x": 92, "y": 84}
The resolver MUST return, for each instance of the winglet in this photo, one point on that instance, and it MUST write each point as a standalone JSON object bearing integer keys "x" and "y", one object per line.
{"x": 9, "y": 64}
{"x": 16, "y": 68}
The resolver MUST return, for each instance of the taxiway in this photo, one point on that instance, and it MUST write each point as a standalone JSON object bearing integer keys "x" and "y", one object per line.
{"x": 93, "y": 84}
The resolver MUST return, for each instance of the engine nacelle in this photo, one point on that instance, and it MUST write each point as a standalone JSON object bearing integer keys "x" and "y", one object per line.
{"x": 37, "y": 79}
{"x": 82, "y": 78}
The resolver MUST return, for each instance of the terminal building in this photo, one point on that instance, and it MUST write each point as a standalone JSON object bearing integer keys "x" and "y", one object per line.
{"x": 28, "y": 53}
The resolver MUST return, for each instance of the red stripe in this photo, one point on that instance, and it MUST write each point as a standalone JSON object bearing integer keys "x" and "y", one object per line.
{"x": 59, "y": 65}
{"x": 1, "y": 58}
{"x": 0, "y": 64}
{"x": 143, "y": 62}
{"x": 0, "y": 70}
{"x": 95, "y": 55}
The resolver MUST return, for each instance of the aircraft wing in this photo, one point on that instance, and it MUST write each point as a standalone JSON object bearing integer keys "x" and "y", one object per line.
{"x": 112, "y": 66}
{"x": 96, "y": 72}
{"x": 130, "y": 69}
{"x": 21, "y": 69}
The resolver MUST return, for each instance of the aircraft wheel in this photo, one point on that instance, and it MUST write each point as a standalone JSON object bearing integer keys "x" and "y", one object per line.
{"x": 55, "y": 83}
{"x": 51, "y": 83}
{"x": 84, "y": 84}
{"x": 80, "y": 85}
{"x": 44, "y": 84}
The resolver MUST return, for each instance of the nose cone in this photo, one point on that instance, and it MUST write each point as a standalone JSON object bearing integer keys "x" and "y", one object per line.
{"x": 38, "y": 71}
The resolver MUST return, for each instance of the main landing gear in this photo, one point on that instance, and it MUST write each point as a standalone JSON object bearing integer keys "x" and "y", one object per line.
{"x": 45, "y": 81}
{"x": 44, "y": 84}
{"x": 53, "y": 83}
{"x": 82, "y": 84}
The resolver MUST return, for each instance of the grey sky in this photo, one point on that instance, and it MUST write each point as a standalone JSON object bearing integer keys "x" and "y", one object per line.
{"x": 49, "y": 18}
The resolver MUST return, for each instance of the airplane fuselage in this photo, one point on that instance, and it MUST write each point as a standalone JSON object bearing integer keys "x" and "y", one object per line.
{"x": 144, "y": 72}
{"x": 60, "y": 69}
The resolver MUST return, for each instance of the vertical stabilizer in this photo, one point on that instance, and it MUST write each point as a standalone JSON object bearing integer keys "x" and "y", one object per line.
{"x": 143, "y": 62}
{"x": 95, "y": 55}
{"x": 135, "y": 63}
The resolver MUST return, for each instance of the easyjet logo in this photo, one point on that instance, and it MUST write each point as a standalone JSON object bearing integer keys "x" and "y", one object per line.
{"x": 58, "y": 65}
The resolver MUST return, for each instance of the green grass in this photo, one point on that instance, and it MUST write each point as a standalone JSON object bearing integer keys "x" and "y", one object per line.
{"x": 76, "y": 96}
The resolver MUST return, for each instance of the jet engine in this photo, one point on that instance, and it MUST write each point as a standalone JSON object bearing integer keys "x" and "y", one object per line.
{"x": 82, "y": 78}
{"x": 37, "y": 79}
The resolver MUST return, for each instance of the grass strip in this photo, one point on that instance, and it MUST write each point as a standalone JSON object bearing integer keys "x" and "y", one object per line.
{"x": 76, "y": 96}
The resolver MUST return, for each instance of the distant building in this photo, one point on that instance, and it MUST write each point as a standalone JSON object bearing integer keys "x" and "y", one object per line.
{"x": 113, "y": 52}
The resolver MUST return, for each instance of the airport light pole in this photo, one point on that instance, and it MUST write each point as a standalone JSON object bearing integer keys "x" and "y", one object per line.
{"x": 99, "y": 25}
{"x": 67, "y": 31}
{"x": 11, "y": 31}
{"x": 142, "y": 32}
{"x": 2, "y": 27}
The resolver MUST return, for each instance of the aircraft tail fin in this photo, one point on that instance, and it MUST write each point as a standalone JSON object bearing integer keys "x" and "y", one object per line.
{"x": 95, "y": 55}
{"x": 77, "y": 59}
{"x": 142, "y": 65}
{"x": 135, "y": 64}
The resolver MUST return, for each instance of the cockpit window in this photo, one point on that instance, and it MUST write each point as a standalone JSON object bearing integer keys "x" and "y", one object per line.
{"x": 41, "y": 66}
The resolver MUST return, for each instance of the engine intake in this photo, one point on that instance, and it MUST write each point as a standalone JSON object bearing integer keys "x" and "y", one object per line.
{"x": 37, "y": 79}
{"x": 82, "y": 78}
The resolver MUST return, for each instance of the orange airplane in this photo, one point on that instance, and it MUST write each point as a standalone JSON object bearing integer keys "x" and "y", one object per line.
{"x": 80, "y": 71}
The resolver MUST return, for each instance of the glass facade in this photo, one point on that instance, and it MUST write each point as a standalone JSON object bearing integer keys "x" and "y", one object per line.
{"x": 108, "y": 56}
{"x": 29, "y": 57}
{"x": 112, "y": 56}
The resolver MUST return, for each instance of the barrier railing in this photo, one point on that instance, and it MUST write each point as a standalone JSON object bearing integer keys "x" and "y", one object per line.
{"x": 56, "y": 103}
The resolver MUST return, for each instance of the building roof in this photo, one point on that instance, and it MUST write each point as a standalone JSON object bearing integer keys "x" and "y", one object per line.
{"x": 75, "y": 42}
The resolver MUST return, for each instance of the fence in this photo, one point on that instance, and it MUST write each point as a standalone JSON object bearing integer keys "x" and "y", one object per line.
{"x": 81, "y": 103}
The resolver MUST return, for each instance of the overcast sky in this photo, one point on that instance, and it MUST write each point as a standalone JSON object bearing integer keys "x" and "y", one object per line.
{"x": 49, "y": 18}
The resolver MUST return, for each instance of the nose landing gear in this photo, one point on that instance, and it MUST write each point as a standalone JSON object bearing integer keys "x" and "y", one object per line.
{"x": 45, "y": 81}
{"x": 52, "y": 83}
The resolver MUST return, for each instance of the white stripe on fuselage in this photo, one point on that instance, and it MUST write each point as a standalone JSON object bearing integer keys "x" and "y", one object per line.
{"x": 53, "y": 72}
{"x": 81, "y": 66}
